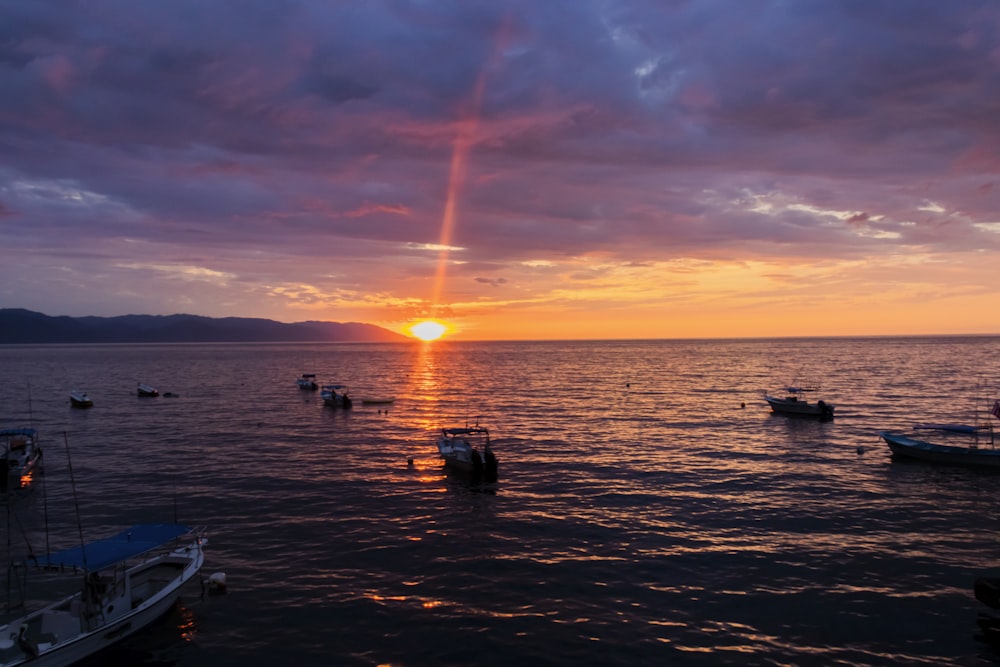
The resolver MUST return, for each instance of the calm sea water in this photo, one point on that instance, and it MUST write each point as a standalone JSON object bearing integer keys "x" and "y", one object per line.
{"x": 643, "y": 516}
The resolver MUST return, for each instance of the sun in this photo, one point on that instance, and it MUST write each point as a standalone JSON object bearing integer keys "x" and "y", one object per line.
{"x": 428, "y": 330}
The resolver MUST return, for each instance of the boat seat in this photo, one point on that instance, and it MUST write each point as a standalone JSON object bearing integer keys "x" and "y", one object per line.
{"x": 60, "y": 625}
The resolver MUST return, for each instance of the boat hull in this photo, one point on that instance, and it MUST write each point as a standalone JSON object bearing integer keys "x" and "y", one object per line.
{"x": 906, "y": 447}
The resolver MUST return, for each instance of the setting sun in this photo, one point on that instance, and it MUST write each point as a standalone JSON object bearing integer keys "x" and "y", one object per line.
{"x": 428, "y": 330}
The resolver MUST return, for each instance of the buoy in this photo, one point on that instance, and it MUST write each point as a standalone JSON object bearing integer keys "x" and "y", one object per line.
{"x": 743, "y": 405}
{"x": 409, "y": 461}
{"x": 217, "y": 582}
{"x": 861, "y": 450}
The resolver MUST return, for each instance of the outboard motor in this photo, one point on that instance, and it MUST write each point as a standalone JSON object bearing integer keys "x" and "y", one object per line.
{"x": 491, "y": 466}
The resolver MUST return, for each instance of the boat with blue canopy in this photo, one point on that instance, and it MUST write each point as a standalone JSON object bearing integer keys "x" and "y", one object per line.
{"x": 104, "y": 553}
{"x": 959, "y": 444}
{"x": 123, "y": 589}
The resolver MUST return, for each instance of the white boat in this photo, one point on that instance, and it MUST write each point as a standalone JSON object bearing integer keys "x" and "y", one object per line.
{"x": 336, "y": 395}
{"x": 117, "y": 597}
{"x": 146, "y": 390}
{"x": 80, "y": 399}
{"x": 20, "y": 456}
{"x": 468, "y": 450}
{"x": 308, "y": 382}
{"x": 794, "y": 403}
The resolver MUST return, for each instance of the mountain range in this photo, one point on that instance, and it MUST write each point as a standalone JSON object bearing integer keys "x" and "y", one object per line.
{"x": 20, "y": 326}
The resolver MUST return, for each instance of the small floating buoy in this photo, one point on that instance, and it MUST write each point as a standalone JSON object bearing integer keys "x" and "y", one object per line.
{"x": 217, "y": 582}
{"x": 861, "y": 450}
{"x": 743, "y": 405}
{"x": 409, "y": 462}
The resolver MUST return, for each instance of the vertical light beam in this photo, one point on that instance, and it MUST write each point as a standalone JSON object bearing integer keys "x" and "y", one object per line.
{"x": 467, "y": 126}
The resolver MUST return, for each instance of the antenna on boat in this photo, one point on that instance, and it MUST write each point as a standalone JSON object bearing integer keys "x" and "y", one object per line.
{"x": 31, "y": 418}
{"x": 45, "y": 511}
{"x": 76, "y": 503}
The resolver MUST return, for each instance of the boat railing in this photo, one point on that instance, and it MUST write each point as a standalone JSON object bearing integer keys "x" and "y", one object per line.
{"x": 983, "y": 437}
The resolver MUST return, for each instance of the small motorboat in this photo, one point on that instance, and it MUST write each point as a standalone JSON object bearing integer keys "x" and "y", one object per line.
{"x": 147, "y": 391}
{"x": 336, "y": 396}
{"x": 20, "y": 455}
{"x": 308, "y": 382}
{"x": 468, "y": 450}
{"x": 80, "y": 399}
{"x": 795, "y": 404}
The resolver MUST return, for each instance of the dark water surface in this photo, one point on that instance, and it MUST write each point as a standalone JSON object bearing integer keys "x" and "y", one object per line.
{"x": 642, "y": 516}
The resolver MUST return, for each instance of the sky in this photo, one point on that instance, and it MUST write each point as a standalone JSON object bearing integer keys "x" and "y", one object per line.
{"x": 517, "y": 169}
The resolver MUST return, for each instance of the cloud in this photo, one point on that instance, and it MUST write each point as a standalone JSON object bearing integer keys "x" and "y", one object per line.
{"x": 495, "y": 282}
{"x": 261, "y": 137}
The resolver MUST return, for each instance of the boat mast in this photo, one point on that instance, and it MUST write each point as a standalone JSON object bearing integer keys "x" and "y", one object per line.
{"x": 76, "y": 503}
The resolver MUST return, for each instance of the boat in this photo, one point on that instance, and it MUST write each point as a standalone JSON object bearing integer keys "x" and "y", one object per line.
{"x": 959, "y": 444}
{"x": 80, "y": 399}
{"x": 980, "y": 450}
{"x": 308, "y": 382}
{"x": 468, "y": 450}
{"x": 146, "y": 390}
{"x": 378, "y": 401}
{"x": 20, "y": 456}
{"x": 795, "y": 404}
{"x": 122, "y": 590}
{"x": 336, "y": 396}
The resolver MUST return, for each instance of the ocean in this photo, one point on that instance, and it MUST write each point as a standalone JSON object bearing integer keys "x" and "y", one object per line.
{"x": 650, "y": 510}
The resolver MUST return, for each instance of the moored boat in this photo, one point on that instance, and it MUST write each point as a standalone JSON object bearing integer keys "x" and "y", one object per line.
{"x": 336, "y": 396}
{"x": 118, "y": 595}
{"x": 980, "y": 450}
{"x": 957, "y": 443}
{"x": 468, "y": 450}
{"x": 308, "y": 382}
{"x": 147, "y": 391}
{"x": 795, "y": 404}
{"x": 80, "y": 399}
{"x": 20, "y": 456}
{"x": 378, "y": 401}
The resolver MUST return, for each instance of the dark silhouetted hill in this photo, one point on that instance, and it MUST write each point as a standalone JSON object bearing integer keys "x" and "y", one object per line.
{"x": 28, "y": 327}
